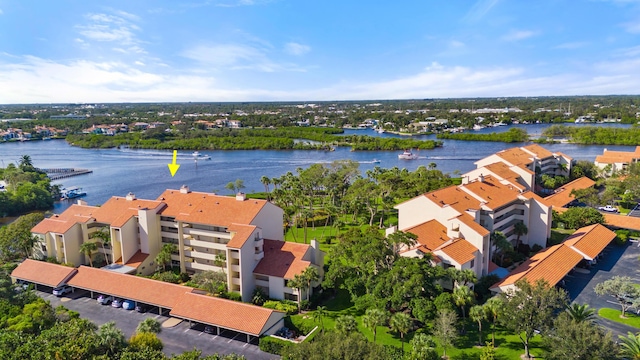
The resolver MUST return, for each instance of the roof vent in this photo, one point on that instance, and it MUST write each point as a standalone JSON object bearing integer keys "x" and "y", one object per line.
{"x": 130, "y": 196}
{"x": 481, "y": 178}
{"x": 184, "y": 189}
{"x": 241, "y": 196}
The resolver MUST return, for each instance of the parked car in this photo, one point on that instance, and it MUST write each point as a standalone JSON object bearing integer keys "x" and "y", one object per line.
{"x": 116, "y": 303}
{"x": 21, "y": 286}
{"x": 141, "y": 308}
{"x": 128, "y": 305}
{"x": 208, "y": 329}
{"x": 105, "y": 299}
{"x": 608, "y": 208}
{"x": 61, "y": 290}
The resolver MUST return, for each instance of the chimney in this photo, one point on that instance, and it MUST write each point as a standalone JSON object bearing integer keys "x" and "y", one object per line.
{"x": 184, "y": 189}
{"x": 481, "y": 178}
{"x": 241, "y": 196}
{"x": 130, "y": 196}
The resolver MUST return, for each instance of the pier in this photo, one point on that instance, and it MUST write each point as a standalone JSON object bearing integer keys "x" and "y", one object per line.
{"x": 63, "y": 173}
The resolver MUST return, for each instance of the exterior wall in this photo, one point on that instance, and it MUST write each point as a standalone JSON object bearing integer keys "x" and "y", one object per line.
{"x": 276, "y": 288}
{"x": 129, "y": 234}
{"x": 489, "y": 160}
{"x": 275, "y": 323}
{"x": 538, "y": 224}
{"x": 420, "y": 209}
{"x": 270, "y": 221}
{"x": 248, "y": 261}
{"x": 149, "y": 227}
{"x": 72, "y": 240}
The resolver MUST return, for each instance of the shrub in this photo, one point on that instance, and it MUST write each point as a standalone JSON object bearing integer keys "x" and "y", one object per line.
{"x": 234, "y": 296}
{"x": 258, "y": 297}
{"x": 272, "y": 345}
{"x": 145, "y": 340}
{"x": 184, "y": 277}
{"x": 535, "y": 248}
{"x": 284, "y": 305}
{"x": 622, "y": 236}
{"x": 166, "y": 276}
{"x": 443, "y": 302}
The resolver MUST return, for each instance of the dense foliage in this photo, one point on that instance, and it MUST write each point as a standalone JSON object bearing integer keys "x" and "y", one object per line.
{"x": 27, "y": 189}
{"x": 510, "y": 136}
{"x": 593, "y": 135}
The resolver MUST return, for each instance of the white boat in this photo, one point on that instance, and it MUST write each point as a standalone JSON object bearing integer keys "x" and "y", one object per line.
{"x": 71, "y": 193}
{"x": 196, "y": 155}
{"x": 380, "y": 131}
{"x": 407, "y": 155}
{"x": 478, "y": 127}
{"x": 375, "y": 161}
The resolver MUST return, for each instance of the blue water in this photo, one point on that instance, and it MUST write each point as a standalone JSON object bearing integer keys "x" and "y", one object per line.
{"x": 145, "y": 172}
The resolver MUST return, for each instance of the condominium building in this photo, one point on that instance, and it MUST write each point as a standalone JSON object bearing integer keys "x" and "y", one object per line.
{"x": 210, "y": 232}
{"x": 614, "y": 161}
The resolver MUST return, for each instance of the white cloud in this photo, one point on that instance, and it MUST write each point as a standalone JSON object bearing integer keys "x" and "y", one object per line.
{"x": 237, "y": 57}
{"x": 296, "y": 49}
{"x": 571, "y": 45}
{"x": 516, "y": 35}
{"x": 1, "y": 12}
{"x": 480, "y": 9}
{"x": 632, "y": 27}
{"x": 456, "y": 44}
{"x": 107, "y": 28}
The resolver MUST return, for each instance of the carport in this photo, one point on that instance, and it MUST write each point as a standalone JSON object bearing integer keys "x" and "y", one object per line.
{"x": 228, "y": 315}
{"x": 129, "y": 287}
{"x": 43, "y": 273}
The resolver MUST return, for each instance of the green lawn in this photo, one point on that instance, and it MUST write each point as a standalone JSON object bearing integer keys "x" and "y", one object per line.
{"x": 614, "y": 315}
{"x": 558, "y": 235}
{"x": 508, "y": 346}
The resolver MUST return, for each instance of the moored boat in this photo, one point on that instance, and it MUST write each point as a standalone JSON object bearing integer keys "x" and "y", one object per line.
{"x": 71, "y": 193}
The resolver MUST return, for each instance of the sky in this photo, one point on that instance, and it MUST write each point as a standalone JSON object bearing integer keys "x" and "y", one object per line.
{"x": 77, "y": 51}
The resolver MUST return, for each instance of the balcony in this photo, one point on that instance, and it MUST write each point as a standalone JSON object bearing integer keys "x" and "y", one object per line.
{"x": 235, "y": 281}
{"x": 259, "y": 256}
{"x": 259, "y": 243}
{"x": 235, "y": 268}
{"x": 196, "y": 266}
{"x": 235, "y": 255}
{"x": 191, "y": 231}
{"x": 169, "y": 235}
{"x": 204, "y": 244}
{"x": 200, "y": 255}
{"x": 262, "y": 283}
{"x": 168, "y": 224}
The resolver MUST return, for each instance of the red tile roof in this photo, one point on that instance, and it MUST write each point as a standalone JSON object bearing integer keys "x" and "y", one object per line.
{"x": 590, "y": 240}
{"x": 460, "y": 250}
{"x": 282, "y": 259}
{"x": 494, "y": 193}
{"x": 130, "y": 287}
{"x": 205, "y": 208}
{"x": 241, "y": 233}
{"x": 63, "y": 222}
{"x": 562, "y": 195}
{"x": 431, "y": 234}
{"x": 225, "y": 313}
{"x": 550, "y": 264}
{"x": 539, "y": 151}
{"x": 118, "y": 210}
{"x": 136, "y": 260}
{"x": 611, "y": 157}
{"x": 41, "y": 272}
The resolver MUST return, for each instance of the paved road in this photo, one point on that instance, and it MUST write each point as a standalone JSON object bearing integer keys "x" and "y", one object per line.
{"x": 617, "y": 261}
{"x": 176, "y": 340}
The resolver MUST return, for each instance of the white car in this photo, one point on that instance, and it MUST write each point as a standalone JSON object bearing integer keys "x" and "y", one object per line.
{"x": 61, "y": 290}
{"x": 608, "y": 208}
{"x": 105, "y": 299}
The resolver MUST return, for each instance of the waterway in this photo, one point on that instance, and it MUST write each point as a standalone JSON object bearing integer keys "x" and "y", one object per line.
{"x": 145, "y": 172}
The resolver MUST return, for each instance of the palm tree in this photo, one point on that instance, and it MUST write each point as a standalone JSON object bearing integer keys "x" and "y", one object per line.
{"x": 150, "y": 325}
{"x": 581, "y": 312}
{"x": 401, "y": 323}
{"x": 346, "y": 324}
{"x": 319, "y": 314}
{"x": 310, "y": 274}
{"x": 631, "y": 346}
{"x": 297, "y": 283}
{"x": 374, "y": 318}
{"x": 500, "y": 241}
{"x": 105, "y": 239}
{"x": 221, "y": 261}
{"x": 520, "y": 229}
{"x": 461, "y": 277}
{"x": 111, "y": 339}
{"x": 25, "y": 162}
{"x": 492, "y": 309}
{"x": 462, "y": 296}
{"x": 477, "y": 313}
{"x": 87, "y": 248}
{"x": 266, "y": 181}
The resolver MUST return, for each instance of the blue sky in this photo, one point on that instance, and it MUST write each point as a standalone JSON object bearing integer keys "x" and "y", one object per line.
{"x": 304, "y": 50}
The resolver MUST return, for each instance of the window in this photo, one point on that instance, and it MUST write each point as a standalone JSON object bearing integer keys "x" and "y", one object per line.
{"x": 472, "y": 263}
{"x": 43, "y": 247}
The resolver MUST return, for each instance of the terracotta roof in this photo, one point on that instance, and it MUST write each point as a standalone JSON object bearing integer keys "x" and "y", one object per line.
{"x": 562, "y": 195}
{"x": 454, "y": 197}
{"x": 610, "y": 157}
{"x": 460, "y": 250}
{"x": 282, "y": 259}
{"x": 204, "y": 208}
{"x": 550, "y": 264}
{"x": 532, "y": 195}
{"x": 61, "y": 223}
{"x": 241, "y": 234}
{"x": 563, "y": 155}
{"x": 516, "y": 156}
{"x": 541, "y": 153}
{"x": 136, "y": 260}
{"x": 622, "y": 221}
{"x": 504, "y": 171}
{"x": 41, "y": 272}
{"x": 494, "y": 193}
{"x": 431, "y": 235}
{"x": 225, "y": 313}
{"x": 590, "y": 240}
{"x": 118, "y": 210}
{"x": 470, "y": 222}
{"x": 153, "y": 292}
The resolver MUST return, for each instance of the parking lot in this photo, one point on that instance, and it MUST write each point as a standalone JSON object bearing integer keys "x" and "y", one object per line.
{"x": 177, "y": 339}
{"x": 616, "y": 261}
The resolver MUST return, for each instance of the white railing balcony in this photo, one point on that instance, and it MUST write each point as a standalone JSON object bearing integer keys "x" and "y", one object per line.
{"x": 205, "y": 244}
{"x": 200, "y": 255}
{"x": 235, "y": 268}
{"x": 235, "y": 281}
{"x": 196, "y": 266}
{"x": 507, "y": 219}
{"x": 169, "y": 234}
{"x": 169, "y": 224}
{"x": 235, "y": 255}
{"x": 220, "y": 234}
{"x": 259, "y": 242}
{"x": 259, "y": 256}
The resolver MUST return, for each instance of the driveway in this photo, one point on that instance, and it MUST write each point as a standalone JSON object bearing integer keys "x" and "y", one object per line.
{"x": 616, "y": 261}
{"x": 176, "y": 340}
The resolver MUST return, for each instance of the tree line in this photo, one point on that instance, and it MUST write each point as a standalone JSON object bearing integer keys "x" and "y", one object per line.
{"x": 27, "y": 189}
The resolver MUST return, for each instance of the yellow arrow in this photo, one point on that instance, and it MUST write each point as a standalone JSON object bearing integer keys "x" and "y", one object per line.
{"x": 173, "y": 167}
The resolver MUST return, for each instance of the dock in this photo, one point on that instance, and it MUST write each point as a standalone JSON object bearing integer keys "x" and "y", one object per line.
{"x": 63, "y": 173}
